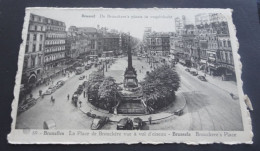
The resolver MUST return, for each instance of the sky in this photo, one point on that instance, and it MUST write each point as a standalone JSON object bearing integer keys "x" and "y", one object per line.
{"x": 131, "y": 20}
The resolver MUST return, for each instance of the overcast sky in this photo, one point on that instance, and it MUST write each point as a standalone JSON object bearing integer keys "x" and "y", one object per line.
{"x": 163, "y": 23}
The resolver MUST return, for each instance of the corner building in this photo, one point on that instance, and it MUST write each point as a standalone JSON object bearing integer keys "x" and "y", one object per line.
{"x": 33, "y": 57}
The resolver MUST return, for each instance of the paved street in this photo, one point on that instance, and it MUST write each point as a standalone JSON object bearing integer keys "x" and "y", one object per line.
{"x": 208, "y": 106}
{"x": 62, "y": 112}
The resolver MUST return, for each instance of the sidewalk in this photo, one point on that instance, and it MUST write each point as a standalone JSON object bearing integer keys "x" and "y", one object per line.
{"x": 44, "y": 87}
{"x": 229, "y": 86}
{"x": 179, "y": 104}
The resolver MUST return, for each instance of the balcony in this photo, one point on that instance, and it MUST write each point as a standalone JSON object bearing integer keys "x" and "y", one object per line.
{"x": 55, "y": 61}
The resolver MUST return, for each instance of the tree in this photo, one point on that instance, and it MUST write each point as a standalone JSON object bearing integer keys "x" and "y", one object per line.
{"x": 160, "y": 85}
{"x": 95, "y": 80}
{"x": 108, "y": 93}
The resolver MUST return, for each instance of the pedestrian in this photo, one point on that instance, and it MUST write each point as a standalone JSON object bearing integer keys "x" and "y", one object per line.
{"x": 52, "y": 100}
{"x": 84, "y": 93}
{"x": 80, "y": 104}
{"x": 232, "y": 95}
{"x": 40, "y": 92}
{"x": 150, "y": 120}
{"x": 142, "y": 67}
{"x": 68, "y": 97}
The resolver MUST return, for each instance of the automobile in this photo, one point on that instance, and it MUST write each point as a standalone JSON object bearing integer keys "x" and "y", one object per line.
{"x": 194, "y": 73}
{"x": 202, "y": 78}
{"x": 119, "y": 88}
{"x": 81, "y": 77}
{"x": 143, "y": 56}
{"x": 28, "y": 104}
{"x": 137, "y": 123}
{"x": 51, "y": 89}
{"x": 60, "y": 83}
{"x": 88, "y": 66}
{"x": 178, "y": 112}
{"x": 80, "y": 89}
{"x": 125, "y": 124}
{"x": 74, "y": 99}
{"x": 98, "y": 123}
{"x": 187, "y": 69}
{"x": 50, "y": 124}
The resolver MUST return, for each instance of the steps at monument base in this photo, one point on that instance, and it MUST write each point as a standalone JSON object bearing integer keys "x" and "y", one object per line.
{"x": 131, "y": 108}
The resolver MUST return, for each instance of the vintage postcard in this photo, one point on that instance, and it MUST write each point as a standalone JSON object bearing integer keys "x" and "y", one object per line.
{"x": 103, "y": 75}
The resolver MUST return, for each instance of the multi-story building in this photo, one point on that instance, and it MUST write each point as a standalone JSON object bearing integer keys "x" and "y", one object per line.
{"x": 158, "y": 43}
{"x": 207, "y": 45}
{"x": 33, "y": 58}
{"x": 180, "y": 23}
{"x": 111, "y": 44}
{"x": 89, "y": 40}
{"x": 54, "y": 51}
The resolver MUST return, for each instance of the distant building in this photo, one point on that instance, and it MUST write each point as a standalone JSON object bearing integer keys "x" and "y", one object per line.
{"x": 111, "y": 44}
{"x": 208, "y": 18}
{"x": 158, "y": 43}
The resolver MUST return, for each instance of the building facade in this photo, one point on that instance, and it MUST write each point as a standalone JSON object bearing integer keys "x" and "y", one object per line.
{"x": 157, "y": 43}
{"x": 205, "y": 45}
{"x": 54, "y": 51}
{"x": 34, "y": 50}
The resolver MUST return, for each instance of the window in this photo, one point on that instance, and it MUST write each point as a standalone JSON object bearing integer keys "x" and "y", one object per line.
{"x": 41, "y": 37}
{"x": 26, "y": 48}
{"x": 33, "y": 61}
{"x": 28, "y": 37}
{"x": 40, "y": 47}
{"x": 34, "y": 48}
{"x": 229, "y": 44}
{"x": 34, "y": 37}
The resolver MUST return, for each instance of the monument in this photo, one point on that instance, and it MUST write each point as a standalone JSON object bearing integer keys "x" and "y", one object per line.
{"x": 130, "y": 76}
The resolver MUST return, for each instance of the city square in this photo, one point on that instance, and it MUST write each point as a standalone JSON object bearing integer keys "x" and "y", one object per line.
{"x": 99, "y": 78}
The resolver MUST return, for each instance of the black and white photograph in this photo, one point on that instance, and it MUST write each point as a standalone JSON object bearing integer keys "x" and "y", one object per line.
{"x": 149, "y": 72}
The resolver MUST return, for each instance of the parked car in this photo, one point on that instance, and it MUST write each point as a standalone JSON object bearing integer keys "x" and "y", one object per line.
{"x": 28, "y": 104}
{"x": 51, "y": 89}
{"x": 125, "y": 124}
{"x": 81, "y": 77}
{"x": 202, "y": 78}
{"x": 194, "y": 73}
{"x": 119, "y": 88}
{"x": 137, "y": 123}
{"x": 88, "y": 66}
{"x": 98, "y": 123}
{"x": 60, "y": 83}
{"x": 187, "y": 69}
{"x": 50, "y": 124}
{"x": 79, "y": 90}
{"x": 178, "y": 112}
